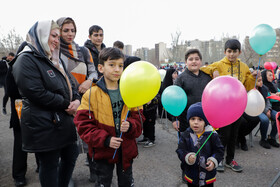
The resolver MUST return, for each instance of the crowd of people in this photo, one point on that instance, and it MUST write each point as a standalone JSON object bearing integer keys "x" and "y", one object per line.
{"x": 71, "y": 104}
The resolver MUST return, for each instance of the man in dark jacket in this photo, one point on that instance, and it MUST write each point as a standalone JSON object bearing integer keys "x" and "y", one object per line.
{"x": 95, "y": 44}
{"x": 3, "y": 71}
{"x": 9, "y": 58}
{"x": 19, "y": 166}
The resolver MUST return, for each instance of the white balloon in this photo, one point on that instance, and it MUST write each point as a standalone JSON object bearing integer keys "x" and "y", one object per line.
{"x": 255, "y": 103}
{"x": 162, "y": 73}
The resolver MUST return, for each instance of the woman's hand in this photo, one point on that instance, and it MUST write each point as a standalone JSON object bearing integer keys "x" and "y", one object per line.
{"x": 72, "y": 108}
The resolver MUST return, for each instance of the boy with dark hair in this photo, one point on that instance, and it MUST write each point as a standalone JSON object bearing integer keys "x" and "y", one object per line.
{"x": 95, "y": 44}
{"x": 193, "y": 82}
{"x": 231, "y": 65}
{"x": 100, "y": 121}
{"x": 128, "y": 59}
{"x": 199, "y": 170}
{"x": 118, "y": 44}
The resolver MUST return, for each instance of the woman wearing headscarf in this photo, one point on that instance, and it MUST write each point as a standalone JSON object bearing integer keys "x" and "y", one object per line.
{"x": 267, "y": 78}
{"x": 49, "y": 102}
{"x": 80, "y": 66}
{"x": 78, "y": 60}
{"x": 169, "y": 79}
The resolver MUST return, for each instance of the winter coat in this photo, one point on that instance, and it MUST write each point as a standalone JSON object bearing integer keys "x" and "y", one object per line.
{"x": 193, "y": 85}
{"x": 45, "y": 124}
{"x": 96, "y": 126}
{"x": 213, "y": 150}
{"x": 238, "y": 70}
{"x": 150, "y": 110}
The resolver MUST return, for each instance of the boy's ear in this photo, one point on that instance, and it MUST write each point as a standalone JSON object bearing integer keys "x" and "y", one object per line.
{"x": 100, "y": 68}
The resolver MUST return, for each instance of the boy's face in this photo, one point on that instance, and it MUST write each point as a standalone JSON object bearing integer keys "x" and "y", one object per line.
{"x": 193, "y": 62}
{"x": 197, "y": 124}
{"x": 112, "y": 70}
{"x": 232, "y": 55}
{"x": 97, "y": 38}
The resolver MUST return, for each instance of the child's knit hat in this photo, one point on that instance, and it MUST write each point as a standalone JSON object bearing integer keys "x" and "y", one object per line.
{"x": 196, "y": 110}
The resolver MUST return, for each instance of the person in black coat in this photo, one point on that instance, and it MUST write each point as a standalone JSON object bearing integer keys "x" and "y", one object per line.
{"x": 19, "y": 166}
{"x": 49, "y": 102}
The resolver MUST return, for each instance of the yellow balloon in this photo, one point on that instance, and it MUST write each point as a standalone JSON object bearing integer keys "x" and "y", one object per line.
{"x": 139, "y": 83}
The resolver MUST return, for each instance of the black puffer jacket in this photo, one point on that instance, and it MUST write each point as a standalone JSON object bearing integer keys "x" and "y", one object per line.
{"x": 45, "y": 125}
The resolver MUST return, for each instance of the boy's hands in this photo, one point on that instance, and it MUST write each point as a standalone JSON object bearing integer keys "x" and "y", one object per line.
{"x": 124, "y": 126}
{"x": 175, "y": 126}
{"x": 216, "y": 74}
{"x": 192, "y": 159}
{"x": 115, "y": 142}
{"x": 210, "y": 165}
{"x": 256, "y": 72}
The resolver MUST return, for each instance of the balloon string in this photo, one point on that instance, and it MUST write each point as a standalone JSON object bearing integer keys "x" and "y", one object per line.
{"x": 258, "y": 70}
{"x": 178, "y": 133}
{"x": 120, "y": 135}
{"x": 204, "y": 143}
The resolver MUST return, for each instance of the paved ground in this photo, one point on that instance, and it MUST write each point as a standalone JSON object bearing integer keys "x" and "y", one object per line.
{"x": 155, "y": 166}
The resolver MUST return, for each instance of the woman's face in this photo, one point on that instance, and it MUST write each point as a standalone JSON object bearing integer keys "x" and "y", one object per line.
{"x": 53, "y": 41}
{"x": 259, "y": 82}
{"x": 68, "y": 32}
{"x": 174, "y": 75}
{"x": 269, "y": 76}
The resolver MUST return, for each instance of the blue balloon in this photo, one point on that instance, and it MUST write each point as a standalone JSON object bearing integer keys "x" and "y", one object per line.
{"x": 263, "y": 38}
{"x": 174, "y": 100}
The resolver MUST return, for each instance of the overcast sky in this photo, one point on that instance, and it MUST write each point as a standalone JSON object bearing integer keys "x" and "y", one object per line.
{"x": 142, "y": 23}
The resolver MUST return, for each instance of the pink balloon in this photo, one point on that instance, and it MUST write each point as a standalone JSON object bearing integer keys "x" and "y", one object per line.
{"x": 268, "y": 65}
{"x": 273, "y": 65}
{"x": 224, "y": 100}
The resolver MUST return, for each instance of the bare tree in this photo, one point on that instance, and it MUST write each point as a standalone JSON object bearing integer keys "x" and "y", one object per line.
{"x": 178, "y": 48}
{"x": 248, "y": 55}
{"x": 10, "y": 42}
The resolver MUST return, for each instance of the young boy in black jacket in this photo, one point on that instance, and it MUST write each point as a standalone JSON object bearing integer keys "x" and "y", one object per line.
{"x": 149, "y": 111}
{"x": 200, "y": 169}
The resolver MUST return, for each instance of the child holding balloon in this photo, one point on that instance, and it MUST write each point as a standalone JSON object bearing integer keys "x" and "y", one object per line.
{"x": 231, "y": 65}
{"x": 199, "y": 164}
{"x": 100, "y": 120}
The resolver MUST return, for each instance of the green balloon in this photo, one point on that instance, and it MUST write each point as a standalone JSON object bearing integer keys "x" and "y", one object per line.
{"x": 263, "y": 38}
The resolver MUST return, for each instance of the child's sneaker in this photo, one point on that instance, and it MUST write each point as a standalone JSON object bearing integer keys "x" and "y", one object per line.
{"x": 221, "y": 167}
{"x": 143, "y": 141}
{"x": 149, "y": 144}
{"x": 234, "y": 166}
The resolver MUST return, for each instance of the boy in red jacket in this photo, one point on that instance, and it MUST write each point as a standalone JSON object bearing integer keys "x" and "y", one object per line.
{"x": 100, "y": 120}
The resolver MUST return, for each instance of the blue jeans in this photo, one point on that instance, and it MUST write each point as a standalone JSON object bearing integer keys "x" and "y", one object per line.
{"x": 265, "y": 123}
{"x": 56, "y": 167}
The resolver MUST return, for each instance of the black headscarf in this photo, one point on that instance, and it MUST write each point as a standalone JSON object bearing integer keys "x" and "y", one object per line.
{"x": 168, "y": 80}
{"x": 268, "y": 84}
